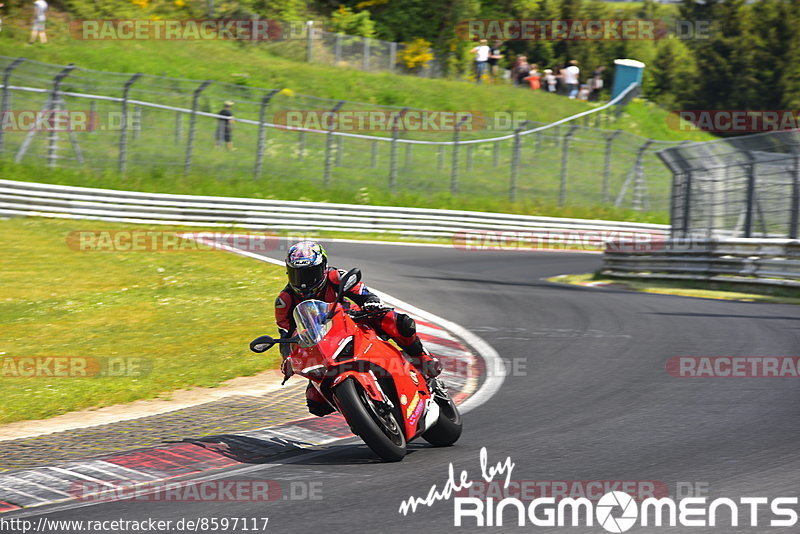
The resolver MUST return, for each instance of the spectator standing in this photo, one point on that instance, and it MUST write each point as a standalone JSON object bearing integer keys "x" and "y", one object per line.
{"x": 495, "y": 55}
{"x": 520, "y": 70}
{"x": 533, "y": 77}
{"x": 39, "y": 20}
{"x": 596, "y": 84}
{"x": 550, "y": 81}
{"x": 481, "y": 59}
{"x": 558, "y": 72}
{"x": 225, "y": 126}
{"x": 1, "y": 19}
{"x": 572, "y": 78}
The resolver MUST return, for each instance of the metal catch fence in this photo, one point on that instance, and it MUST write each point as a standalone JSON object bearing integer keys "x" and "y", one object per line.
{"x": 170, "y": 127}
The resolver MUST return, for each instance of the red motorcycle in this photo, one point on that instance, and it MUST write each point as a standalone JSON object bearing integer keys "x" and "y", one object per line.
{"x": 383, "y": 398}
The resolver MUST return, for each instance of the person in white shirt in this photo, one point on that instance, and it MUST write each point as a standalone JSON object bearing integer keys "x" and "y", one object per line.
{"x": 550, "y": 80}
{"x": 39, "y": 19}
{"x": 572, "y": 78}
{"x": 481, "y": 59}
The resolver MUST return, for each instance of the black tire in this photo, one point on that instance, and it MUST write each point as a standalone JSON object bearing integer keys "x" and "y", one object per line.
{"x": 447, "y": 429}
{"x": 376, "y": 431}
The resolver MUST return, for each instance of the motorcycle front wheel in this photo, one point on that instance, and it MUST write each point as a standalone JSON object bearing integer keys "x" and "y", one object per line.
{"x": 447, "y": 429}
{"x": 380, "y": 432}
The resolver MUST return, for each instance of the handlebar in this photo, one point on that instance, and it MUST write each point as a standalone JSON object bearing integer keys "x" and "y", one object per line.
{"x": 358, "y": 315}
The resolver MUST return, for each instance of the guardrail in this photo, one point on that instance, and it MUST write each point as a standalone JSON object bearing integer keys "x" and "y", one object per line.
{"x": 37, "y": 199}
{"x": 753, "y": 261}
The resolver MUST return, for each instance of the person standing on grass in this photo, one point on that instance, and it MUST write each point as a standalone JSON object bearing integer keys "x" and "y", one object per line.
{"x": 481, "y": 59}
{"x": 495, "y": 55}
{"x": 39, "y": 19}
{"x": 533, "y": 77}
{"x": 520, "y": 70}
{"x": 572, "y": 78}
{"x": 550, "y": 81}
{"x": 596, "y": 84}
{"x": 225, "y": 126}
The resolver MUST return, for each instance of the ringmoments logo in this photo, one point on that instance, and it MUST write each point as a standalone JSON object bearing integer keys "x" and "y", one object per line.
{"x": 615, "y": 511}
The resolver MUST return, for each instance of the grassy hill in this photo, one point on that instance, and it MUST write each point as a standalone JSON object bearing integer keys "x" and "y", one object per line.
{"x": 252, "y": 65}
{"x": 294, "y": 173}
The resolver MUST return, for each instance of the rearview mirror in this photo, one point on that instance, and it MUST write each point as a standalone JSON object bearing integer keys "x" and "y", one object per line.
{"x": 349, "y": 281}
{"x": 262, "y": 344}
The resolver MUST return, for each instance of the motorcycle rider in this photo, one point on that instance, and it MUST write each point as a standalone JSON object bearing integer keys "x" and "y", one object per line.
{"x": 311, "y": 278}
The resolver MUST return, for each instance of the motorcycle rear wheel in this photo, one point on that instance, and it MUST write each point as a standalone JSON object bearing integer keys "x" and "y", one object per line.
{"x": 381, "y": 433}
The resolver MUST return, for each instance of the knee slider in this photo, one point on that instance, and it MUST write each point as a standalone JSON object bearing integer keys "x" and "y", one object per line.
{"x": 406, "y": 325}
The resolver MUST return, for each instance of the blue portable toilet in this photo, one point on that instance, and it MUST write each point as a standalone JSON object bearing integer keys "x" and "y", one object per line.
{"x": 626, "y": 72}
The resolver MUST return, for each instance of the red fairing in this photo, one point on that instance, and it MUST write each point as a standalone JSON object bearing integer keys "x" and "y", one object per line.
{"x": 328, "y": 363}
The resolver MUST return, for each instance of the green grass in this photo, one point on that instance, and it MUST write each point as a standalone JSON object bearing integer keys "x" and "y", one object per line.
{"x": 687, "y": 288}
{"x": 187, "y": 315}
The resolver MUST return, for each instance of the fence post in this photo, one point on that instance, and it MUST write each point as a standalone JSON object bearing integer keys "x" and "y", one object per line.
{"x": 337, "y": 47}
{"x": 562, "y": 191}
{"x": 392, "y": 55}
{"x": 123, "y": 133}
{"x": 750, "y": 198}
{"x": 187, "y": 165}
{"x": 454, "y": 170}
{"x": 136, "y": 121}
{"x": 54, "y": 97}
{"x": 440, "y": 158}
{"x": 515, "y": 156}
{"x": 687, "y": 203}
{"x": 408, "y": 155}
{"x": 6, "y": 93}
{"x": 178, "y": 127}
{"x": 496, "y": 153}
{"x": 365, "y": 58}
{"x": 374, "y": 159}
{"x": 329, "y": 142}
{"x": 795, "y": 209}
{"x": 301, "y": 146}
{"x": 309, "y": 41}
{"x": 262, "y": 133}
{"x": 393, "y": 149}
{"x": 607, "y": 164}
{"x": 639, "y": 185}
{"x": 339, "y": 150}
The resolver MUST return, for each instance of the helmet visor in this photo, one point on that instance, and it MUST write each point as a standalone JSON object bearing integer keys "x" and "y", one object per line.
{"x": 306, "y": 278}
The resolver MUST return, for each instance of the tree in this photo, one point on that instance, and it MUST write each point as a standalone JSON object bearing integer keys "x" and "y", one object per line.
{"x": 345, "y": 20}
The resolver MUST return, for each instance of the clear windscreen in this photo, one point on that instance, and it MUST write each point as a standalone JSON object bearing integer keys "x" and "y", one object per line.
{"x": 309, "y": 316}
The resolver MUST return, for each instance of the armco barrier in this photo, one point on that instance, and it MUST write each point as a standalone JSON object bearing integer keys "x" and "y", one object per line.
{"x": 37, "y": 199}
{"x": 754, "y": 261}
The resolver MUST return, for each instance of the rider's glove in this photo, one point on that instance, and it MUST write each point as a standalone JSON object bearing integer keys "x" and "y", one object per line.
{"x": 372, "y": 305}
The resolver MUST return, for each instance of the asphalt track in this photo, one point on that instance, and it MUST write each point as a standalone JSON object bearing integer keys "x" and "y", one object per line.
{"x": 587, "y": 397}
